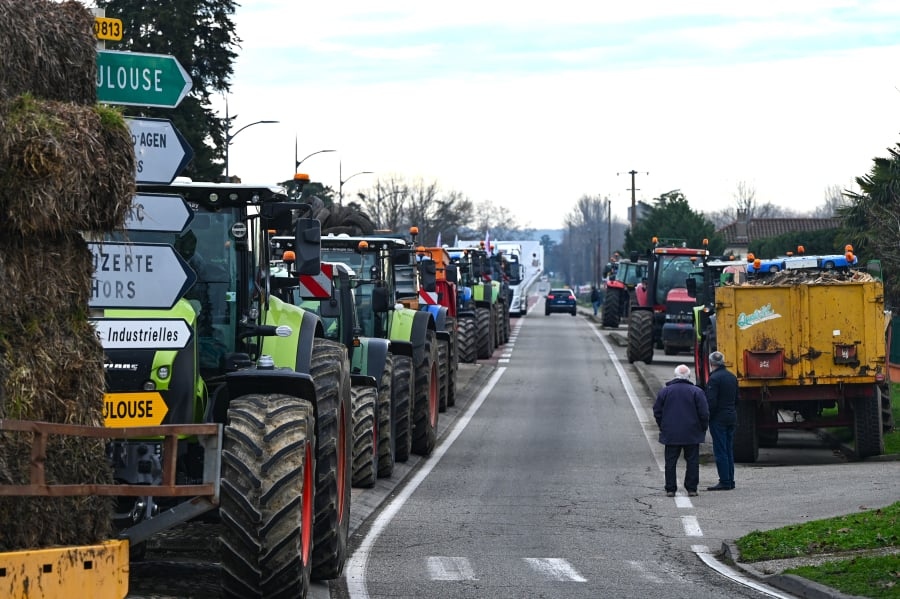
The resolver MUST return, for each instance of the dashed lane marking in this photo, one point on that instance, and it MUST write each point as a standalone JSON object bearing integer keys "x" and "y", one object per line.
{"x": 556, "y": 568}
{"x": 450, "y": 568}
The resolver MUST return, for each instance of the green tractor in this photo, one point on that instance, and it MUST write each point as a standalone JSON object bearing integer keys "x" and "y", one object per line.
{"x": 412, "y": 334}
{"x": 480, "y": 321}
{"x": 330, "y": 294}
{"x": 259, "y": 367}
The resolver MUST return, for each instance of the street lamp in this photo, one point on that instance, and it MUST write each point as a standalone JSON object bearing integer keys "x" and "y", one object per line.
{"x": 297, "y": 163}
{"x": 231, "y": 136}
{"x": 342, "y": 181}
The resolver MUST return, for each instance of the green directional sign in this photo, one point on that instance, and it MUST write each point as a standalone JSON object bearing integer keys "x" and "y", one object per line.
{"x": 139, "y": 79}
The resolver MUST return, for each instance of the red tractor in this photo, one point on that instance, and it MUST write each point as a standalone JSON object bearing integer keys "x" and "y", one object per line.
{"x": 663, "y": 315}
{"x": 621, "y": 291}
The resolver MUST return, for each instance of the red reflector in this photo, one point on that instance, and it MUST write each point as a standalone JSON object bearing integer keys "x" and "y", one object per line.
{"x": 549, "y": 297}
{"x": 764, "y": 365}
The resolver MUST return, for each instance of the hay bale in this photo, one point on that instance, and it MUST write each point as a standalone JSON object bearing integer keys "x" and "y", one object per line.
{"x": 63, "y": 167}
{"x": 53, "y": 371}
{"x": 45, "y": 279}
{"x": 49, "y": 50}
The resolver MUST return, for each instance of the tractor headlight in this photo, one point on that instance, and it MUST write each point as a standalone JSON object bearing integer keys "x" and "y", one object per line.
{"x": 162, "y": 372}
{"x": 149, "y": 386}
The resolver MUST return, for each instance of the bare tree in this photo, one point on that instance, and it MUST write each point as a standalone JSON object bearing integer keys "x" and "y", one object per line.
{"x": 834, "y": 199}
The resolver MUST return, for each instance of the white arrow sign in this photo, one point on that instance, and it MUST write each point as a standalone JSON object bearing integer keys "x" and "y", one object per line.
{"x": 138, "y": 275}
{"x": 160, "y": 151}
{"x": 158, "y": 212}
{"x": 155, "y": 333}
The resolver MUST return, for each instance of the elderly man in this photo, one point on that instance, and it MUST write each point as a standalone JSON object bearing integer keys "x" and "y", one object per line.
{"x": 722, "y": 393}
{"x": 682, "y": 414}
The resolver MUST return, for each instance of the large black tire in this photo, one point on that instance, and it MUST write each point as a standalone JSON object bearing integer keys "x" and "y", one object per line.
{"x": 386, "y": 440}
{"x": 402, "y": 392}
{"x": 330, "y": 370}
{"x": 484, "y": 333}
{"x": 467, "y": 339}
{"x": 746, "y": 441}
{"x": 443, "y": 373}
{"x": 498, "y": 325}
{"x": 365, "y": 436}
{"x": 640, "y": 337}
{"x": 454, "y": 362}
{"x": 267, "y": 487}
{"x": 867, "y": 428}
{"x": 425, "y": 407}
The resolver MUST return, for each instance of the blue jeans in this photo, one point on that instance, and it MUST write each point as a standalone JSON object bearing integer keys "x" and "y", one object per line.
{"x": 692, "y": 469}
{"x": 596, "y": 305}
{"x": 723, "y": 448}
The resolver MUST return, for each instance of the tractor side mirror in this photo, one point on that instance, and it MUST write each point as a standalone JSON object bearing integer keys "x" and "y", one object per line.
{"x": 380, "y": 300}
{"x": 308, "y": 246}
{"x": 451, "y": 271}
{"x": 691, "y": 284}
{"x": 428, "y": 272}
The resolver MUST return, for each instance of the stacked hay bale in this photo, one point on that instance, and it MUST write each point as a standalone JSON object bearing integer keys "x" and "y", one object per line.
{"x": 66, "y": 166}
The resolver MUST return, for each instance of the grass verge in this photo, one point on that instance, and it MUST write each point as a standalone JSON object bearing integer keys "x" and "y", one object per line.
{"x": 863, "y": 575}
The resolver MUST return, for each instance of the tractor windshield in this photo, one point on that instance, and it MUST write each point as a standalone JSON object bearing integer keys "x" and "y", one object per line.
{"x": 672, "y": 273}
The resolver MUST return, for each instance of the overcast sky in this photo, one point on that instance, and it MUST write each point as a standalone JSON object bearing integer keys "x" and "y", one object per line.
{"x": 532, "y": 105}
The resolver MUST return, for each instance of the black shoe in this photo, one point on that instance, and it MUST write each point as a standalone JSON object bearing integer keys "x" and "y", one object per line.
{"x": 720, "y": 487}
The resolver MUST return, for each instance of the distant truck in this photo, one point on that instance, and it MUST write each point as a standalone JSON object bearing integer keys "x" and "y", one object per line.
{"x": 808, "y": 352}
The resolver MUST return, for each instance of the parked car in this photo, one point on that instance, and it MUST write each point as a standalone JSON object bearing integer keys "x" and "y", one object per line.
{"x": 560, "y": 300}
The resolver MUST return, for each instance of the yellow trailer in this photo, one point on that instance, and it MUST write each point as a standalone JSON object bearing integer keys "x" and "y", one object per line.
{"x": 806, "y": 355}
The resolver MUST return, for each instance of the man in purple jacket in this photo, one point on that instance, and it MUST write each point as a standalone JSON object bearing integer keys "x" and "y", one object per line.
{"x": 682, "y": 413}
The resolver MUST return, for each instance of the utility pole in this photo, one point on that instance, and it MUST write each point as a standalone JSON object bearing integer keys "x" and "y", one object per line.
{"x": 633, "y": 204}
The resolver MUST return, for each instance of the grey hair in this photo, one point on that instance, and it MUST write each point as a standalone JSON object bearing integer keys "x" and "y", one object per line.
{"x": 717, "y": 358}
{"x": 682, "y": 372}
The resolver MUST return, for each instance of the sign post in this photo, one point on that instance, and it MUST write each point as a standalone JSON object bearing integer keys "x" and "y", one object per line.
{"x": 139, "y": 79}
{"x": 160, "y": 151}
{"x": 138, "y": 275}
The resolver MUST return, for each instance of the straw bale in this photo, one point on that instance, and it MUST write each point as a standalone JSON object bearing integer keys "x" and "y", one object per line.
{"x": 63, "y": 167}
{"x": 49, "y": 50}
{"x": 47, "y": 279}
{"x": 53, "y": 372}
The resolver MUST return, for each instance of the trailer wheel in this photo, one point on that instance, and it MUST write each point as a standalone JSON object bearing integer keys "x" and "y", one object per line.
{"x": 485, "y": 333}
{"x": 401, "y": 390}
{"x": 267, "y": 490}
{"x": 443, "y": 373}
{"x": 867, "y": 425}
{"x": 365, "y": 436}
{"x": 468, "y": 350}
{"x": 612, "y": 310}
{"x": 640, "y": 337}
{"x": 746, "y": 443}
{"x": 425, "y": 405}
{"x": 330, "y": 370}
{"x": 386, "y": 438}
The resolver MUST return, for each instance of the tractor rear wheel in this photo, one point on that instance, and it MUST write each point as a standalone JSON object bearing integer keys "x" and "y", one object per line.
{"x": 485, "y": 333}
{"x": 267, "y": 490}
{"x": 640, "y": 337}
{"x": 402, "y": 390}
{"x": 365, "y": 436}
{"x": 467, "y": 340}
{"x": 330, "y": 370}
{"x": 746, "y": 441}
{"x": 443, "y": 373}
{"x": 867, "y": 425}
{"x": 612, "y": 310}
{"x": 386, "y": 440}
{"x": 454, "y": 361}
{"x": 425, "y": 406}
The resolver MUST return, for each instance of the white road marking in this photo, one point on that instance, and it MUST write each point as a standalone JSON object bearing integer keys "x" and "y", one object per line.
{"x": 556, "y": 568}
{"x": 691, "y": 526}
{"x": 644, "y": 572}
{"x": 702, "y": 551}
{"x": 450, "y": 568}
{"x": 682, "y": 501}
{"x": 503, "y": 360}
{"x": 356, "y": 565}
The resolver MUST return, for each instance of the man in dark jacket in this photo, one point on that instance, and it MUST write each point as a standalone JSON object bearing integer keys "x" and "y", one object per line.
{"x": 682, "y": 414}
{"x": 722, "y": 393}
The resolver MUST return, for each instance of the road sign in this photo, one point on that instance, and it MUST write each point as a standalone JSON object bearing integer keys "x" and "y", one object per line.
{"x": 138, "y": 79}
{"x": 160, "y": 151}
{"x": 158, "y": 212}
{"x": 108, "y": 29}
{"x": 151, "y": 333}
{"x": 146, "y": 408}
{"x": 138, "y": 275}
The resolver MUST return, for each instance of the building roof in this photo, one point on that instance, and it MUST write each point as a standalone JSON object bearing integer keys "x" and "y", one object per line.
{"x": 742, "y": 233}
